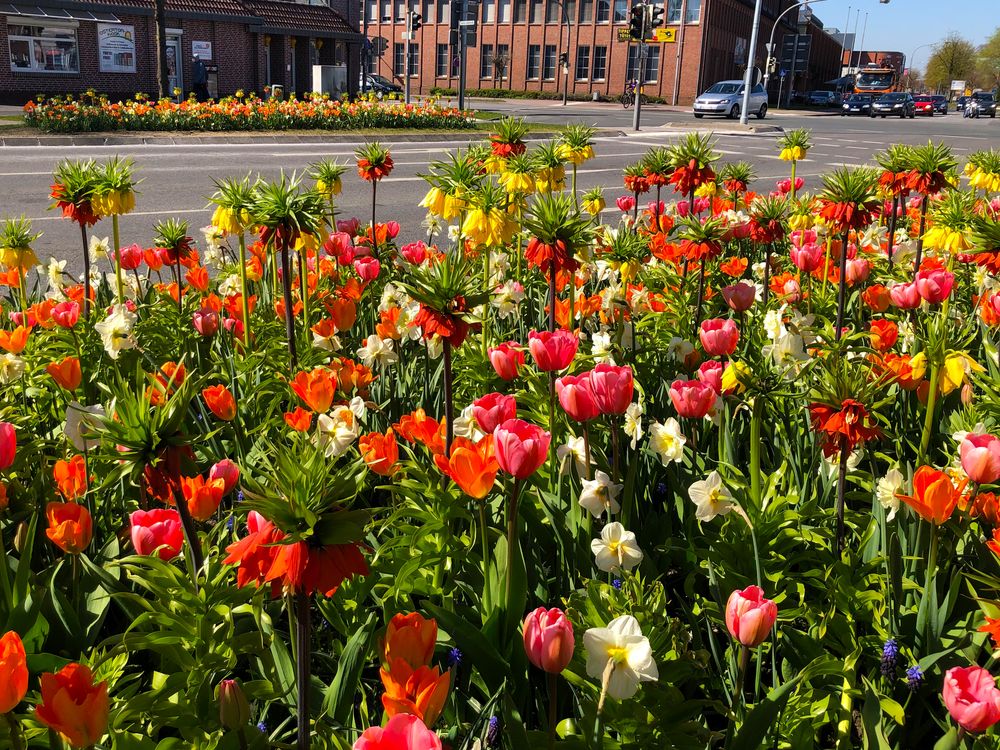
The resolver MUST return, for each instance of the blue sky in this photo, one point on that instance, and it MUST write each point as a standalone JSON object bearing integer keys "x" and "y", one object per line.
{"x": 904, "y": 25}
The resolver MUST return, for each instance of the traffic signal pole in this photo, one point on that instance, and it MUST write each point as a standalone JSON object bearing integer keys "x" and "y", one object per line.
{"x": 406, "y": 54}
{"x": 751, "y": 59}
{"x": 461, "y": 61}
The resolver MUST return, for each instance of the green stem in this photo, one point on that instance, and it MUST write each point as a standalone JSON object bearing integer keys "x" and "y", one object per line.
{"x": 16, "y": 740}
{"x": 244, "y": 293}
{"x": 792, "y": 191}
{"x": 302, "y": 628}
{"x": 511, "y": 537}
{"x": 119, "y": 282}
{"x": 841, "y": 488}
{"x": 552, "y": 678}
{"x": 925, "y": 437}
{"x": 756, "y": 418}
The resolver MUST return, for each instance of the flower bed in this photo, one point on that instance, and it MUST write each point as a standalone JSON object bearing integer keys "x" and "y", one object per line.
{"x": 719, "y": 471}
{"x": 92, "y": 113}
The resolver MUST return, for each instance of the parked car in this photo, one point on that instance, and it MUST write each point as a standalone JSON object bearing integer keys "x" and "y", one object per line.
{"x": 726, "y": 98}
{"x": 987, "y": 103}
{"x": 895, "y": 103}
{"x": 940, "y": 103}
{"x": 857, "y": 104}
{"x": 382, "y": 86}
{"x": 823, "y": 99}
{"x": 924, "y": 105}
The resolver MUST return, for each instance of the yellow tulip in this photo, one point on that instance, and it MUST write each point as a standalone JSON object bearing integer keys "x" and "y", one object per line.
{"x": 918, "y": 366}
{"x": 957, "y": 365}
{"x": 734, "y": 377}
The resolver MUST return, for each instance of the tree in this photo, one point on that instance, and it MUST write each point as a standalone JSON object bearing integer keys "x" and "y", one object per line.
{"x": 160, "y": 23}
{"x": 953, "y": 59}
{"x": 989, "y": 61}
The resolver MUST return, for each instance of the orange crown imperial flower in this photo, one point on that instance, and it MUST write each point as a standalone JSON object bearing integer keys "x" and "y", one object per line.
{"x": 843, "y": 427}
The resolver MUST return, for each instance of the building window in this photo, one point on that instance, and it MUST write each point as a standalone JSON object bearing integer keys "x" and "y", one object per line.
{"x": 553, "y": 13}
{"x": 489, "y": 11}
{"x": 503, "y": 11}
{"x": 621, "y": 11}
{"x": 372, "y": 10}
{"x": 43, "y": 49}
{"x": 674, "y": 11}
{"x": 400, "y": 10}
{"x": 549, "y": 63}
{"x": 650, "y": 70}
{"x": 443, "y": 10}
{"x": 398, "y": 58}
{"x": 486, "y": 61}
{"x": 582, "y": 63}
{"x": 536, "y": 11}
{"x": 520, "y": 10}
{"x": 693, "y": 14}
{"x": 569, "y": 6}
{"x": 502, "y": 61}
{"x": 441, "y": 61}
{"x": 428, "y": 11}
{"x": 600, "y": 63}
{"x": 586, "y": 11}
{"x": 534, "y": 59}
{"x": 413, "y": 63}
{"x": 603, "y": 11}
{"x": 386, "y": 11}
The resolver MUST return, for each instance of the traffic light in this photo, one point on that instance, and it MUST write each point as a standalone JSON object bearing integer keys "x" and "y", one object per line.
{"x": 655, "y": 16}
{"x": 772, "y": 65}
{"x": 637, "y": 22}
{"x": 457, "y": 8}
{"x": 415, "y": 21}
{"x": 564, "y": 61}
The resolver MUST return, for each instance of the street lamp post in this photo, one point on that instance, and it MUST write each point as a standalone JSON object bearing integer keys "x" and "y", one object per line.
{"x": 770, "y": 44}
{"x": 751, "y": 56}
{"x": 909, "y": 68}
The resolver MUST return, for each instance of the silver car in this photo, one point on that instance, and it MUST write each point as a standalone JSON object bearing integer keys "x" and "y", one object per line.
{"x": 726, "y": 98}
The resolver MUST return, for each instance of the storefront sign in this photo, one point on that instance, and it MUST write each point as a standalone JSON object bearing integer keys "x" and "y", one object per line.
{"x": 116, "y": 47}
{"x": 202, "y": 50}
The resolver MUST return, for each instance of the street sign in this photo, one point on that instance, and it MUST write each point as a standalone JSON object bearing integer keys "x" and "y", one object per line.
{"x": 623, "y": 35}
{"x": 469, "y": 22}
{"x": 783, "y": 73}
{"x": 408, "y": 36}
{"x": 664, "y": 35}
{"x": 958, "y": 85}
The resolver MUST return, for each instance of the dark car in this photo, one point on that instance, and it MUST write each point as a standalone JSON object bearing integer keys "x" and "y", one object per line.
{"x": 987, "y": 103}
{"x": 823, "y": 99}
{"x": 857, "y": 104}
{"x": 382, "y": 86}
{"x": 940, "y": 103}
{"x": 924, "y": 105}
{"x": 895, "y": 104}
{"x": 961, "y": 102}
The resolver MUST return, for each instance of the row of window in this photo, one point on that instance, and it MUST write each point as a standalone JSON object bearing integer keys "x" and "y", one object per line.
{"x": 494, "y": 62}
{"x": 518, "y": 11}
{"x": 43, "y": 49}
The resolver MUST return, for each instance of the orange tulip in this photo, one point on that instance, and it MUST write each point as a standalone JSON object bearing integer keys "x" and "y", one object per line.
{"x": 71, "y": 477}
{"x": 316, "y": 388}
{"x": 343, "y": 312}
{"x": 70, "y": 526}
{"x": 202, "y": 497}
{"x": 198, "y": 278}
{"x": 410, "y": 637}
{"x": 380, "y": 452}
{"x": 74, "y": 706}
{"x": 299, "y": 420}
{"x": 934, "y": 496}
{"x": 421, "y": 692}
{"x": 15, "y": 341}
{"x": 66, "y": 373}
{"x": 417, "y": 427}
{"x": 472, "y": 466}
{"x": 13, "y": 672}
{"x": 220, "y": 401}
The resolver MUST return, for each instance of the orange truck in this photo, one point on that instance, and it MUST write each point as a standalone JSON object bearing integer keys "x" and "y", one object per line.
{"x": 877, "y": 79}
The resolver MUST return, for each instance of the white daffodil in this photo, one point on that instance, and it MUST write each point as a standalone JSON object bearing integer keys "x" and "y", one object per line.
{"x": 906, "y": 336}
{"x": 774, "y": 325}
{"x": 667, "y": 441}
{"x": 214, "y": 237}
{"x": 435, "y": 346}
{"x": 82, "y": 420}
{"x": 830, "y": 465}
{"x": 329, "y": 343}
{"x": 678, "y": 349}
{"x": 620, "y": 656}
{"x": 466, "y": 425}
{"x": 788, "y": 353}
{"x": 711, "y": 497}
{"x": 575, "y": 450}
{"x": 600, "y": 347}
{"x": 633, "y": 422}
{"x": 377, "y": 351}
{"x": 56, "y": 271}
{"x": 454, "y": 232}
{"x": 230, "y": 285}
{"x": 499, "y": 266}
{"x": 432, "y": 224}
{"x": 506, "y": 298}
{"x": 600, "y": 494}
{"x": 616, "y": 549}
{"x": 11, "y": 368}
{"x": 116, "y": 331}
{"x": 886, "y": 490}
{"x": 337, "y": 431}
{"x": 100, "y": 248}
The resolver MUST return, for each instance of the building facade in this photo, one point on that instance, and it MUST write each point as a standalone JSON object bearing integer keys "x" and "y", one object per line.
{"x": 520, "y": 42}
{"x": 71, "y": 46}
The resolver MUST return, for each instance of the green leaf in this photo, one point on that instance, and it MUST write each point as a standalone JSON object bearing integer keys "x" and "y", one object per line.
{"x": 762, "y": 717}
{"x": 474, "y": 645}
{"x": 871, "y": 720}
{"x": 949, "y": 741}
{"x": 338, "y": 700}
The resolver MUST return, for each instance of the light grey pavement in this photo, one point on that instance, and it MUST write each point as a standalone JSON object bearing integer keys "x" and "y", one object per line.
{"x": 177, "y": 179}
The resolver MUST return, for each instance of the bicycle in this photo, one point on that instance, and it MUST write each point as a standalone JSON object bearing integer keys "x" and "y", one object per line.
{"x": 628, "y": 95}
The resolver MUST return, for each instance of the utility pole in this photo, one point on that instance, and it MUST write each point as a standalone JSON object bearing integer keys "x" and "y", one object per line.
{"x": 751, "y": 58}
{"x": 843, "y": 44}
{"x": 674, "y": 98}
{"x": 461, "y": 53}
{"x": 407, "y": 37}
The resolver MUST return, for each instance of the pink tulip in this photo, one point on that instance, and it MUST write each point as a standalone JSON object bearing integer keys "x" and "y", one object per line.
{"x": 415, "y": 252}
{"x": 130, "y": 258}
{"x": 493, "y": 409}
{"x": 506, "y": 358}
{"x": 739, "y": 296}
{"x": 980, "y": 456}
{"x": 339, "y": 244}
{"x": 392, "y": 229}
{"x": 8, "y": 445}
{"x": 576, "y": 397}
{"x": 719, "y": 337}
{"x": 657, "y": 209}
{"x": 904, "y": 296}
{"x": 790, "y": 291}
{"x": 683, "y": 208}
{"x": 367, "y": 268}
{"x": 159, "y": 528}
{"x": 858, "y": 270}
{"x": 808, "y": 257}
{"x": 552, "y": 350}
{"x": 349, "y": 226}
{"x": 612, "y": 386}
{"x": 206, "y": 321}
{"x": 228, "y": 472}
{"x": 548, "y": 639}
{"x": 710, "y": 373}
{"x": 402, "y": 732}
{"x": 971, "y": 697}
{"x": 66, "y": 314}
{"x": 692, "y": 398}
{"x": 934, "y": 285}
{"x": 18, "y": 318}
{"x": 749, "y": 616}
{"x": 520, "y": 447}
{"x": 625, "y": 203}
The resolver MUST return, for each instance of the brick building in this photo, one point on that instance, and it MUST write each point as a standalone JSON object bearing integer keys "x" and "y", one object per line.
{"x": 70, "y": 46}
{"x": 519, "y": 43}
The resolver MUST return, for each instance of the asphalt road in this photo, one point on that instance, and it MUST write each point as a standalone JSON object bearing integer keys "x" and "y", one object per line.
{"x": 177, "y": 179}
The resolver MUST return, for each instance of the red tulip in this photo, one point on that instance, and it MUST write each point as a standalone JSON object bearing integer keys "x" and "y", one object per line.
{"x": 625, "y": 203}
{"x": 13, "y": 672}
{"x": 576, "y": 397}
{"x": 521, "y": 448}
{"x": 904, "y": 296}
{"x": 130, "y": 258}
{"x": 711, "y": 373}
{"x": 548, "y": 639}
{"x": 719, "y": 337}
{"x": 392, "y": 229}
{"x": 980, "y": 456}
{"x": 158, "y": 530}
{"x": 971, "y": 697}
{"x": 492, "y": 410}
{"x": 749, "y": 616}
{"x": 228, "y": 472}
{"x": 73, "y": 705}
{"x": 552, "y": 350}
{"x": 506, "y": 358}
{"x": 401, "y": 732}
{"x": 934, "y": 284}
{"x": 739, "y": 296}
{"x": 692, "y": 398}
{"x": 8, "y": 445}
{"x": 66, "y": 314}
{"x": 612, "y": 386}
{"x": 414, "y": 252}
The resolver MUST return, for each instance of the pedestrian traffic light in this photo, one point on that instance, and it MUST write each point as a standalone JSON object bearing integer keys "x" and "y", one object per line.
{"x": 655, "y": 16}
{"x": 415, "y": 21}
{"x": 637, "y": 22}
{"x": 564, "y": 62}
{"x": 772, "y": 65}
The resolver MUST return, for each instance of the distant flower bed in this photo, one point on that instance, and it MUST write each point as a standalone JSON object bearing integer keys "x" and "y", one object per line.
{"x": 93, "y": 114}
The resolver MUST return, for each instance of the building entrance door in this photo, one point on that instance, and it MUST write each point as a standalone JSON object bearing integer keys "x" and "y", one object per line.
{"x": 175, "y": 66}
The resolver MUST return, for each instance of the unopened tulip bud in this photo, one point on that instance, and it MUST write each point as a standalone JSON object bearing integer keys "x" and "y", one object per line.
{"x": 234, "y": 710}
